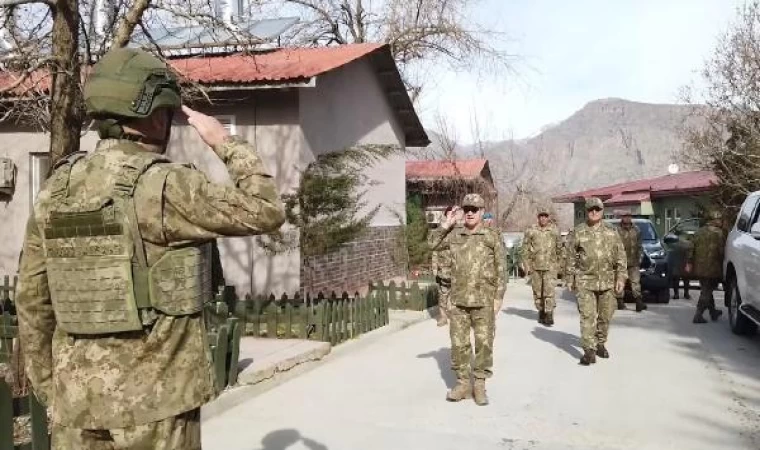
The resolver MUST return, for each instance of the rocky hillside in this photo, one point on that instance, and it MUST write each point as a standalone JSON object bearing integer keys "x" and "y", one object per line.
{"x": 607, "y": 141}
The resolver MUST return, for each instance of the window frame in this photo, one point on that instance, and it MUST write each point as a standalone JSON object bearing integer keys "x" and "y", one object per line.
{"x": 34, "y": 168}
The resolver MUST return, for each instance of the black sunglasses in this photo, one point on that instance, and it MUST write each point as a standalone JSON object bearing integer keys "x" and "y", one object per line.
{"x": 470, "y": 209}
{"x": 594, "y": 208}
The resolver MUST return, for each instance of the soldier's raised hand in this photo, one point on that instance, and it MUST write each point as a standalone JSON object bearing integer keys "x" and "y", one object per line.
{"x": 209, "y": 129}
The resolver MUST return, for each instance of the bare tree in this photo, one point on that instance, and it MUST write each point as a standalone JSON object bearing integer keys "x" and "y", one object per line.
{"x": 43, "y": 55}
{"x": 420, "y": 33}
{"x": 724, "y": 136}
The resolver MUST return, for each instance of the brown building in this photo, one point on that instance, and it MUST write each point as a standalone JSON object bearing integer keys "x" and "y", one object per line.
{"x": 442, "y": 183}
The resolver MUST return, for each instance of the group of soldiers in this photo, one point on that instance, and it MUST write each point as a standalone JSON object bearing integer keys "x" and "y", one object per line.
{"x": 596, "y": 262}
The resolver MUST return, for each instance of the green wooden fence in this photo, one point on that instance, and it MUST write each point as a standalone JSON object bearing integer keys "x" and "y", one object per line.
{"x": 412, "y": 297}
{"x": 28, "y": 405}
{"x": 332, "y": 318}
{"x": 8, "y": 323}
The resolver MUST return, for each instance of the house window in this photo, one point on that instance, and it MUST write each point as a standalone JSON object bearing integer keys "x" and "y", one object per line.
{"x": 228, "y": 120}
{"x": 40, "y": 165}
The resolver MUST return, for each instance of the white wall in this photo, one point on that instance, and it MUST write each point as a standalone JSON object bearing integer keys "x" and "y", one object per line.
{"x": 347, "y": 107}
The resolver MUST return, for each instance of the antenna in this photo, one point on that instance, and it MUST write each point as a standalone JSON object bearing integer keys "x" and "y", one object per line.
{"x": 673, "y": 169}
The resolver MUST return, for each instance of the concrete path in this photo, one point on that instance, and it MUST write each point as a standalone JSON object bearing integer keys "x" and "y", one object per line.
{"x": 668, "y": 385}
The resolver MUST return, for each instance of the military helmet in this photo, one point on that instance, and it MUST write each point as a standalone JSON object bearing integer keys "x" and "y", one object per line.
{"x": 474, "y": 200}
{"x": 543, "y": 212}
{"x": 130, "y": 83}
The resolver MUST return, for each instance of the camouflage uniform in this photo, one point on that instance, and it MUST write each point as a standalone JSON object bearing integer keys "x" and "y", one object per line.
{"x": 631, "y": 239}
{"x": 478, "y": 281}
{"x": 541, "y": 254}
{"x": 596, "y": 260}
{"x": 138, "y": 388}
{"x": 706, "y": 258}
{"x": 441, "y": 263}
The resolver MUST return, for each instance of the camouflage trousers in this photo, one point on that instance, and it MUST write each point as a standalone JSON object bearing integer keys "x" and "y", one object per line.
{"x": 444, "y": 294}
{"x": 543, "y": 283}
{"x": 634, "y": 277}
{"x": 182, "y": 432}
{"x": 596, "y": 309}
{"x": 480, "y": 320}
{"x": 706, "y": 300}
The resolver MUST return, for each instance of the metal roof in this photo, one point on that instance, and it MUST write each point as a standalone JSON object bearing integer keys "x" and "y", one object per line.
{"x": 668, "y": 185}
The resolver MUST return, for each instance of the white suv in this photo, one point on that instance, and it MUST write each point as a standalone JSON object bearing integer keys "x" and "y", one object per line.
{"x": 741, "y": 267}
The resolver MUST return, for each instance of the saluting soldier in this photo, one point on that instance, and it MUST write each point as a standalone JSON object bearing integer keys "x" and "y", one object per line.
{"x": 116, "y": 266}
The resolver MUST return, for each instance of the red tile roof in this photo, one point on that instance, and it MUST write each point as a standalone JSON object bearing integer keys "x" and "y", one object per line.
{"x": 668, "y": 185}
{"x": 629, "y": 198}
{"x": 276, "y": 66}
{"x": 466, "y": 168}
{"x": 286, "y": 64}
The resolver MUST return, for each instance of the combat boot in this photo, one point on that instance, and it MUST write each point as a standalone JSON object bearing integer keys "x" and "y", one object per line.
{"x": 715, "y": 314}
{"x": 588, "y": 358}
{"x": 541, "y": 317}
{"x": 549, "y": 318}
{"x": 461, "y": 391}
{"x": 640, "y": 306}
{"x": 698, "y": 318}
{"x": 481, "y": 399}
{"x": 601, "y": 351}
{"x": 621, "y": 304}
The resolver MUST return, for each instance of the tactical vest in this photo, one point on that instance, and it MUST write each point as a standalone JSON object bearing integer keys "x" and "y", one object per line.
{"x": 98, "y": 274}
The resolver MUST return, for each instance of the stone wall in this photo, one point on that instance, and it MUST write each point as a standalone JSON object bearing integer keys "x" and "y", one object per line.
{"x": 356, "y": 264}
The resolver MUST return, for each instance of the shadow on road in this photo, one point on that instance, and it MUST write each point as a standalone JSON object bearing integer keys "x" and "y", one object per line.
{"x": 283, "y": 439}
{"x": 442, "y": 356}
{"x": 524, "y": 313}
{"x": 568, "y": 343}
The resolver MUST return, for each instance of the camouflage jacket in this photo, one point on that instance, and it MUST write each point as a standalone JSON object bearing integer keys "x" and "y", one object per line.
{"x": 541, "y": 248}
{"x": 632, "y": 243}
{"x": 440, "y": 257}
{"x": 477, "y": 264}
{"x": 595, "y": 257}
{"x": 706, "y": 252}
{"x": 126, "y": 379}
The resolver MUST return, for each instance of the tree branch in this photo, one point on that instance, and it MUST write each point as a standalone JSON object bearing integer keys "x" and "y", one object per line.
{"x": 130, "y": 21}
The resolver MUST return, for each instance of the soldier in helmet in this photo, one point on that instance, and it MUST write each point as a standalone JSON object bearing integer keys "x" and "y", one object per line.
{"x": 477, "y": 290}
{"x": 705, "y": 262}
{"x": 541, "y": 253}
{"x": 596, "y": 271}
{"x": 631, "y": 237}
{"x": 116, "y": 266}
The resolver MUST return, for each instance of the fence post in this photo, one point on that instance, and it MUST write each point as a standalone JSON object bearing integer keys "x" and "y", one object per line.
{"x": 38, "y": 413}
{"x": 333, "y": 305}
{"x": 220, "y": 357}
{"x": 6, "y": 416}
{"x": 324, "y": 319}
{"x": 288, "y": 317}
{"x": 236, "y": 327}
{"x": 272, "y": 310}
{"x": 392, "y": 294}
{"x": 301, "y": 316}
{"x": 418, "y": 301}
{"x": 255, "y": 315}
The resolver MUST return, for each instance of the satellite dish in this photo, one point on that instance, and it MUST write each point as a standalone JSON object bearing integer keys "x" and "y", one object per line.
{"x": 673, "y": 169}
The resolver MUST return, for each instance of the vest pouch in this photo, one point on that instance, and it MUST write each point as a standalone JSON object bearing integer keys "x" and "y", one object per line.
{"x": 93, "y": 294}
{"x": 180, "y": 281}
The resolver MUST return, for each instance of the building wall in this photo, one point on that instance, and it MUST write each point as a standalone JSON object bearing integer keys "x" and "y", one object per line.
{"x": 348, "y": 107}
{"x": 19, "y": 145}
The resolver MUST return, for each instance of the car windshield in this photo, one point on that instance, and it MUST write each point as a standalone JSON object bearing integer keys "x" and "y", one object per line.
{"x": 647, "y": 231}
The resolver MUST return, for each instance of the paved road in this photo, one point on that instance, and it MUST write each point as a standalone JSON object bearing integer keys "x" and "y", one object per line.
{"x": 668, "y": 385}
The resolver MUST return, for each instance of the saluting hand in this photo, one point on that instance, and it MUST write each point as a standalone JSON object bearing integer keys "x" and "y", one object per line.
{"x": 209, "y": 129}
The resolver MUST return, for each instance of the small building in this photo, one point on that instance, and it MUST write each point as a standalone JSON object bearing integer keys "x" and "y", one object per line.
{"x": 442, "y": 183}
{"x": 664, "y": 200}
{"x": 292, "y": 104}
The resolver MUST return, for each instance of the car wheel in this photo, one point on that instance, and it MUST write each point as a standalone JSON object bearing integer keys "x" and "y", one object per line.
{"x": 740, "y": 324}
{"x": 663, "y": 296}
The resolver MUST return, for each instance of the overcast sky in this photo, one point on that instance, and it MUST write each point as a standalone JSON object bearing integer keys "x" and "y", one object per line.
{"x": 576, "y": 51}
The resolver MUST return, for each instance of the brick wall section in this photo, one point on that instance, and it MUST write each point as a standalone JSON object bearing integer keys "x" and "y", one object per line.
{"x": 353, "y": 267}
